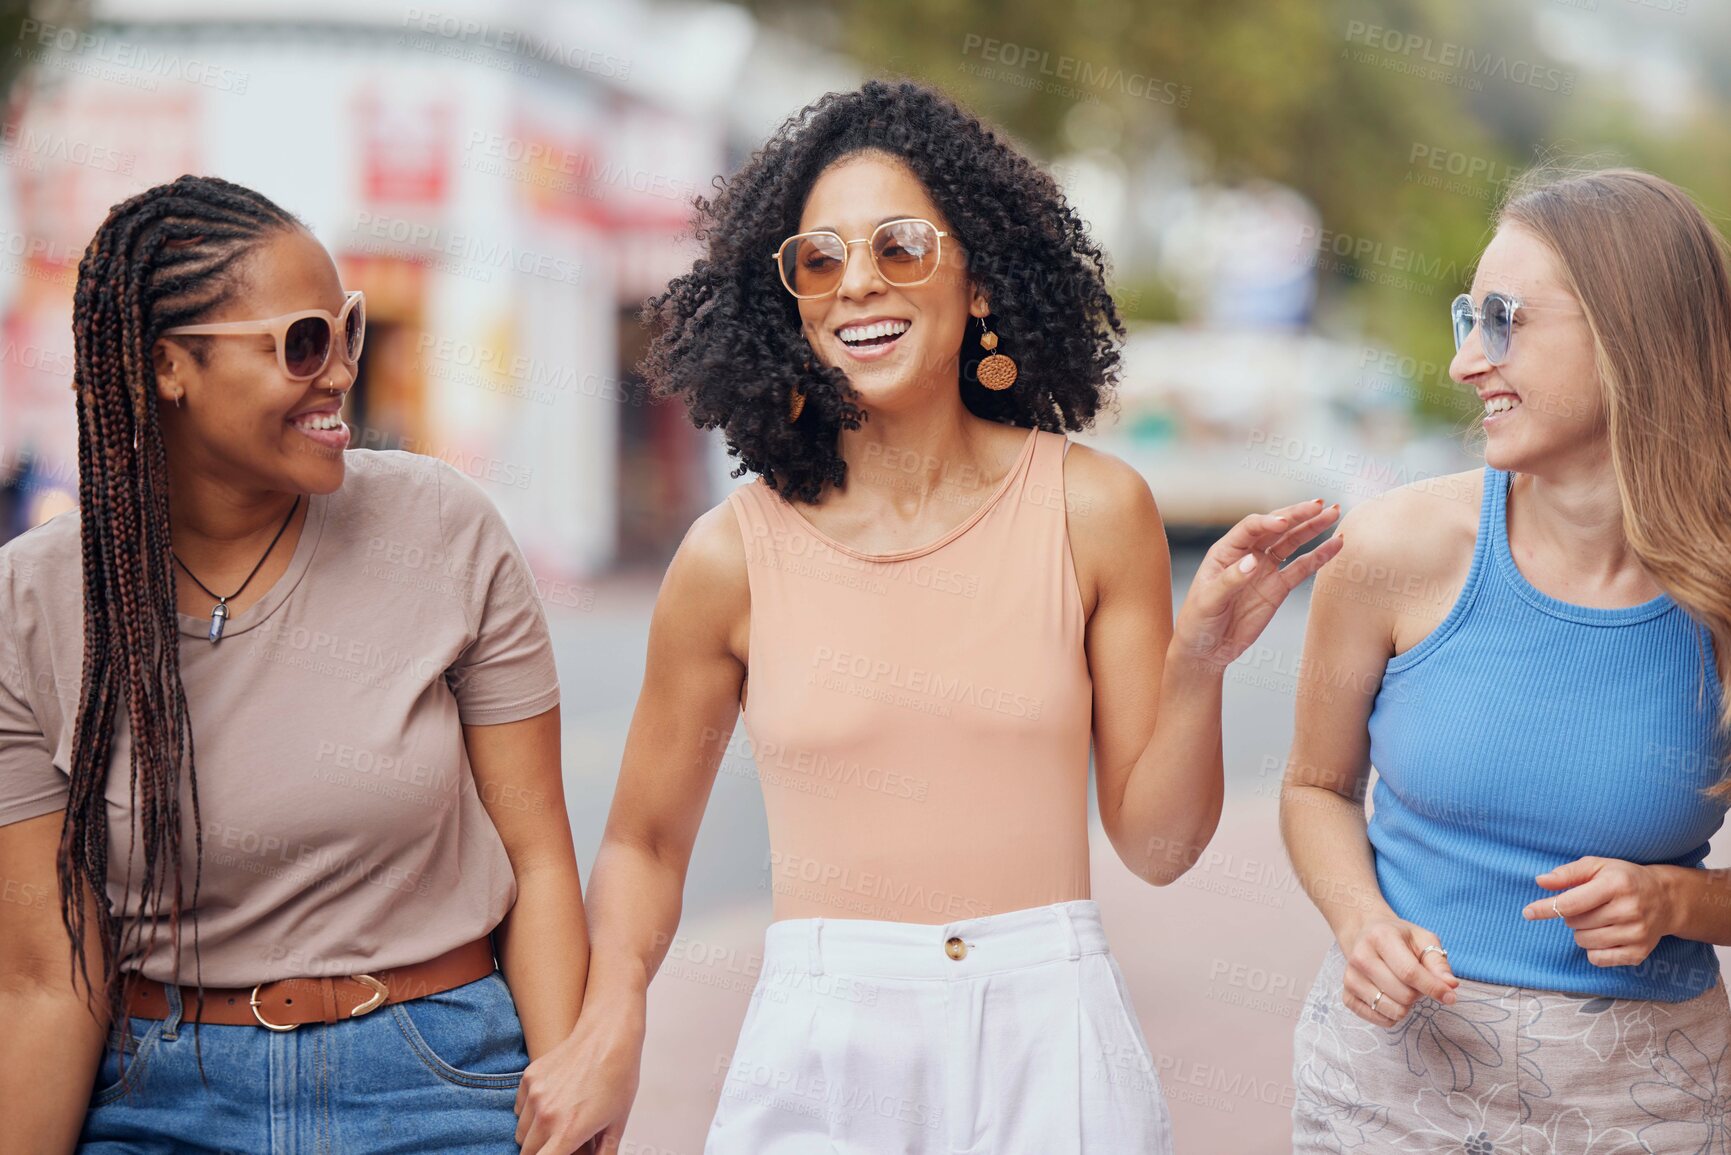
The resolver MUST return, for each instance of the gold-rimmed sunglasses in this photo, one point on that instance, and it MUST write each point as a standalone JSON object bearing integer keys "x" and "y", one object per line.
{"x": 905, "y": 251}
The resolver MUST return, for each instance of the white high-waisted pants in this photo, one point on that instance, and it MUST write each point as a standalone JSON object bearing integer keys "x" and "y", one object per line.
{"x": 871, "y": 1038}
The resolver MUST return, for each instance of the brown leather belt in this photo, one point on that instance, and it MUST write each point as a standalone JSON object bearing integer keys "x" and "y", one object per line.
{"x": 284, "y": 1004}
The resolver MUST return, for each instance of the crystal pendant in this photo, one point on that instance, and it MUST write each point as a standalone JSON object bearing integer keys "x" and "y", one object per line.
{"x": 218, "y": 617}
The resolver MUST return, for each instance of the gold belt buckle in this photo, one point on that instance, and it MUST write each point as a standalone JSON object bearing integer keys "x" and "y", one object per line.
{"x": 380, "y": 993}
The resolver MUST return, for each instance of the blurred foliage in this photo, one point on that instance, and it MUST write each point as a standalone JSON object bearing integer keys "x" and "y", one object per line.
{"x": 12, "y": 16}
{"x": 14, "y": 45}
{"x": 1279, "y": 89}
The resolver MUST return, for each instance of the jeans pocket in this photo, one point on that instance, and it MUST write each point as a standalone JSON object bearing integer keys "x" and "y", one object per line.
{"x": 124, "y": 1060}
{"x": 469, "y": 1036}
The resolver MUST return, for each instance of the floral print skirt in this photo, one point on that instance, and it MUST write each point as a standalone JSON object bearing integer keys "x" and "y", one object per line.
{"x": 1512, "y": 1071}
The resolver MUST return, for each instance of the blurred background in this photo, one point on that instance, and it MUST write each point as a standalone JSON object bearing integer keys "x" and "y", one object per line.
{"x": 1291, "y": 191}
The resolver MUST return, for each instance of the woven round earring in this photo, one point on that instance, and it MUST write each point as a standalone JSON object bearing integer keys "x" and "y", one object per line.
{"x": 795, "y": 404}
{"x": 996, "y": 371}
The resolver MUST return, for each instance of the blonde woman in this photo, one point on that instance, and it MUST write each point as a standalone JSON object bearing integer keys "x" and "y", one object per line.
{"x": 1524, "y": 955}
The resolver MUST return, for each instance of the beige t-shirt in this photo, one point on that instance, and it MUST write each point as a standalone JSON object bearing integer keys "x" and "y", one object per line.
{"x": 343, "y": 831}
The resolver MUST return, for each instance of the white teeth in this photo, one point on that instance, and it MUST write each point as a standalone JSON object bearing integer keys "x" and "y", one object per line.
{"x": 321, "y": 421}
{"x": 853, "y": 333}
{"x": 1501, "y": 403}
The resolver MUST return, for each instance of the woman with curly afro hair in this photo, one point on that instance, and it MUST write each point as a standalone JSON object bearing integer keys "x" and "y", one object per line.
{"x": 928, "y": 605}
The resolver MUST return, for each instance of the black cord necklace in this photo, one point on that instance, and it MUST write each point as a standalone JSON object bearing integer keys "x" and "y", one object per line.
{"x": 219, "y": 615}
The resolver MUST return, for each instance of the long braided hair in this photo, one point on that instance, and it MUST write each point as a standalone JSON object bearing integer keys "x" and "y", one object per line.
{"x": 168, "y": 256}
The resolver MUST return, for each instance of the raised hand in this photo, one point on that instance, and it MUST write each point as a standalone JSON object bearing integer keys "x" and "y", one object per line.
{"x": 1245, "y": 576}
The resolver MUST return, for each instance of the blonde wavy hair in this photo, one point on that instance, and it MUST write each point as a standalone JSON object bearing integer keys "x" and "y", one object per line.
{"x": 1653, "y": 276}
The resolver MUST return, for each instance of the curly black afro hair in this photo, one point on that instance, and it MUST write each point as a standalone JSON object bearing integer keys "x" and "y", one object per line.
{"x": 727, "y": 336}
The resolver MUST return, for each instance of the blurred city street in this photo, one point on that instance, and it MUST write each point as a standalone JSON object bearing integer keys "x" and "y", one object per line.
{"x": 1287, "y": 195}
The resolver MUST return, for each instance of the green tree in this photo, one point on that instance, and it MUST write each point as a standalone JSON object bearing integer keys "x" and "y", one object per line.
{"x": 15, "y": 53}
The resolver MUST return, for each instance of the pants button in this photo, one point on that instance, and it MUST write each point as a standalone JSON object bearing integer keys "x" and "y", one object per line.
{"x": 956, "y": 948}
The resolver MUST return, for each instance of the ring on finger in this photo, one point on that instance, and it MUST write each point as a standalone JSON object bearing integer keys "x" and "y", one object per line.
{"x": 1554, "y": 909}
{"x": 1376, "y": 1000}
{"x": 1428, "y": 949}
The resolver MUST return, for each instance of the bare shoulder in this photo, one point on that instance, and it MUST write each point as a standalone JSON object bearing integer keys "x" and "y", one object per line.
{"x": 1407, "y": 554}
{"x": 714, "y": 538}
{"x": 706, "y": 589}
{"x": 1422, "y": 525}
{"x": 712, "y": 553}
{"x": 1098, "y": 481}
{"x": 1114, "y": 522}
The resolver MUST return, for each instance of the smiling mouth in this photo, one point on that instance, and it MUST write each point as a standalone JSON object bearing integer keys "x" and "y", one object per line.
{"x": 330, "y": 420}
{"x": 874, "y": 335}
{"x": 1501, "y": 403}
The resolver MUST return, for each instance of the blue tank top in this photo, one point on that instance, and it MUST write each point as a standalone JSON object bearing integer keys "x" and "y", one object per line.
{"x": 1525, "y": 732}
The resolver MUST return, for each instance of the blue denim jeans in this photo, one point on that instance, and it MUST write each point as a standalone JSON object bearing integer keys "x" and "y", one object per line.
{"x": 438, "y": 1073}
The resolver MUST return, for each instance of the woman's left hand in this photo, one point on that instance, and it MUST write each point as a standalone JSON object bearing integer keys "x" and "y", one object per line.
{"x": 575, "y": 1099}
{"x": 1244, "y": 578}
{"x": 1618, "y": 910}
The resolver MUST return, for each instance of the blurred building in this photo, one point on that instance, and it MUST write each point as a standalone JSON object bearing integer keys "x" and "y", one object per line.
{"x": 507, "y": 182}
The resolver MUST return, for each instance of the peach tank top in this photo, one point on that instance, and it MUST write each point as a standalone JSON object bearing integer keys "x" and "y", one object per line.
{"x": 920, "y": 720}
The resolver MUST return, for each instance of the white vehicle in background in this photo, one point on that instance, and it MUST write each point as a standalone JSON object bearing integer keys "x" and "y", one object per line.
{"x": 1226, "y": 422}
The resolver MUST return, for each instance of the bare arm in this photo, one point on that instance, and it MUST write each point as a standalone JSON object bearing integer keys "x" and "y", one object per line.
{"x": 685, "y": 714}
{"x": 1346, "y": 645}
{"x": 1699, "y": 903}
{"x": 55, "y": 1038}
{"x": 1157, "y": 691}
{"x": 1119, "y": 540}
{"x": 543, "y": 945}
{"x": 1349, "y": 640}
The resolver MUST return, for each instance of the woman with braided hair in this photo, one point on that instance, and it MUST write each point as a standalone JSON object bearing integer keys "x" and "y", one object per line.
{"x": 279, "y": 726}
